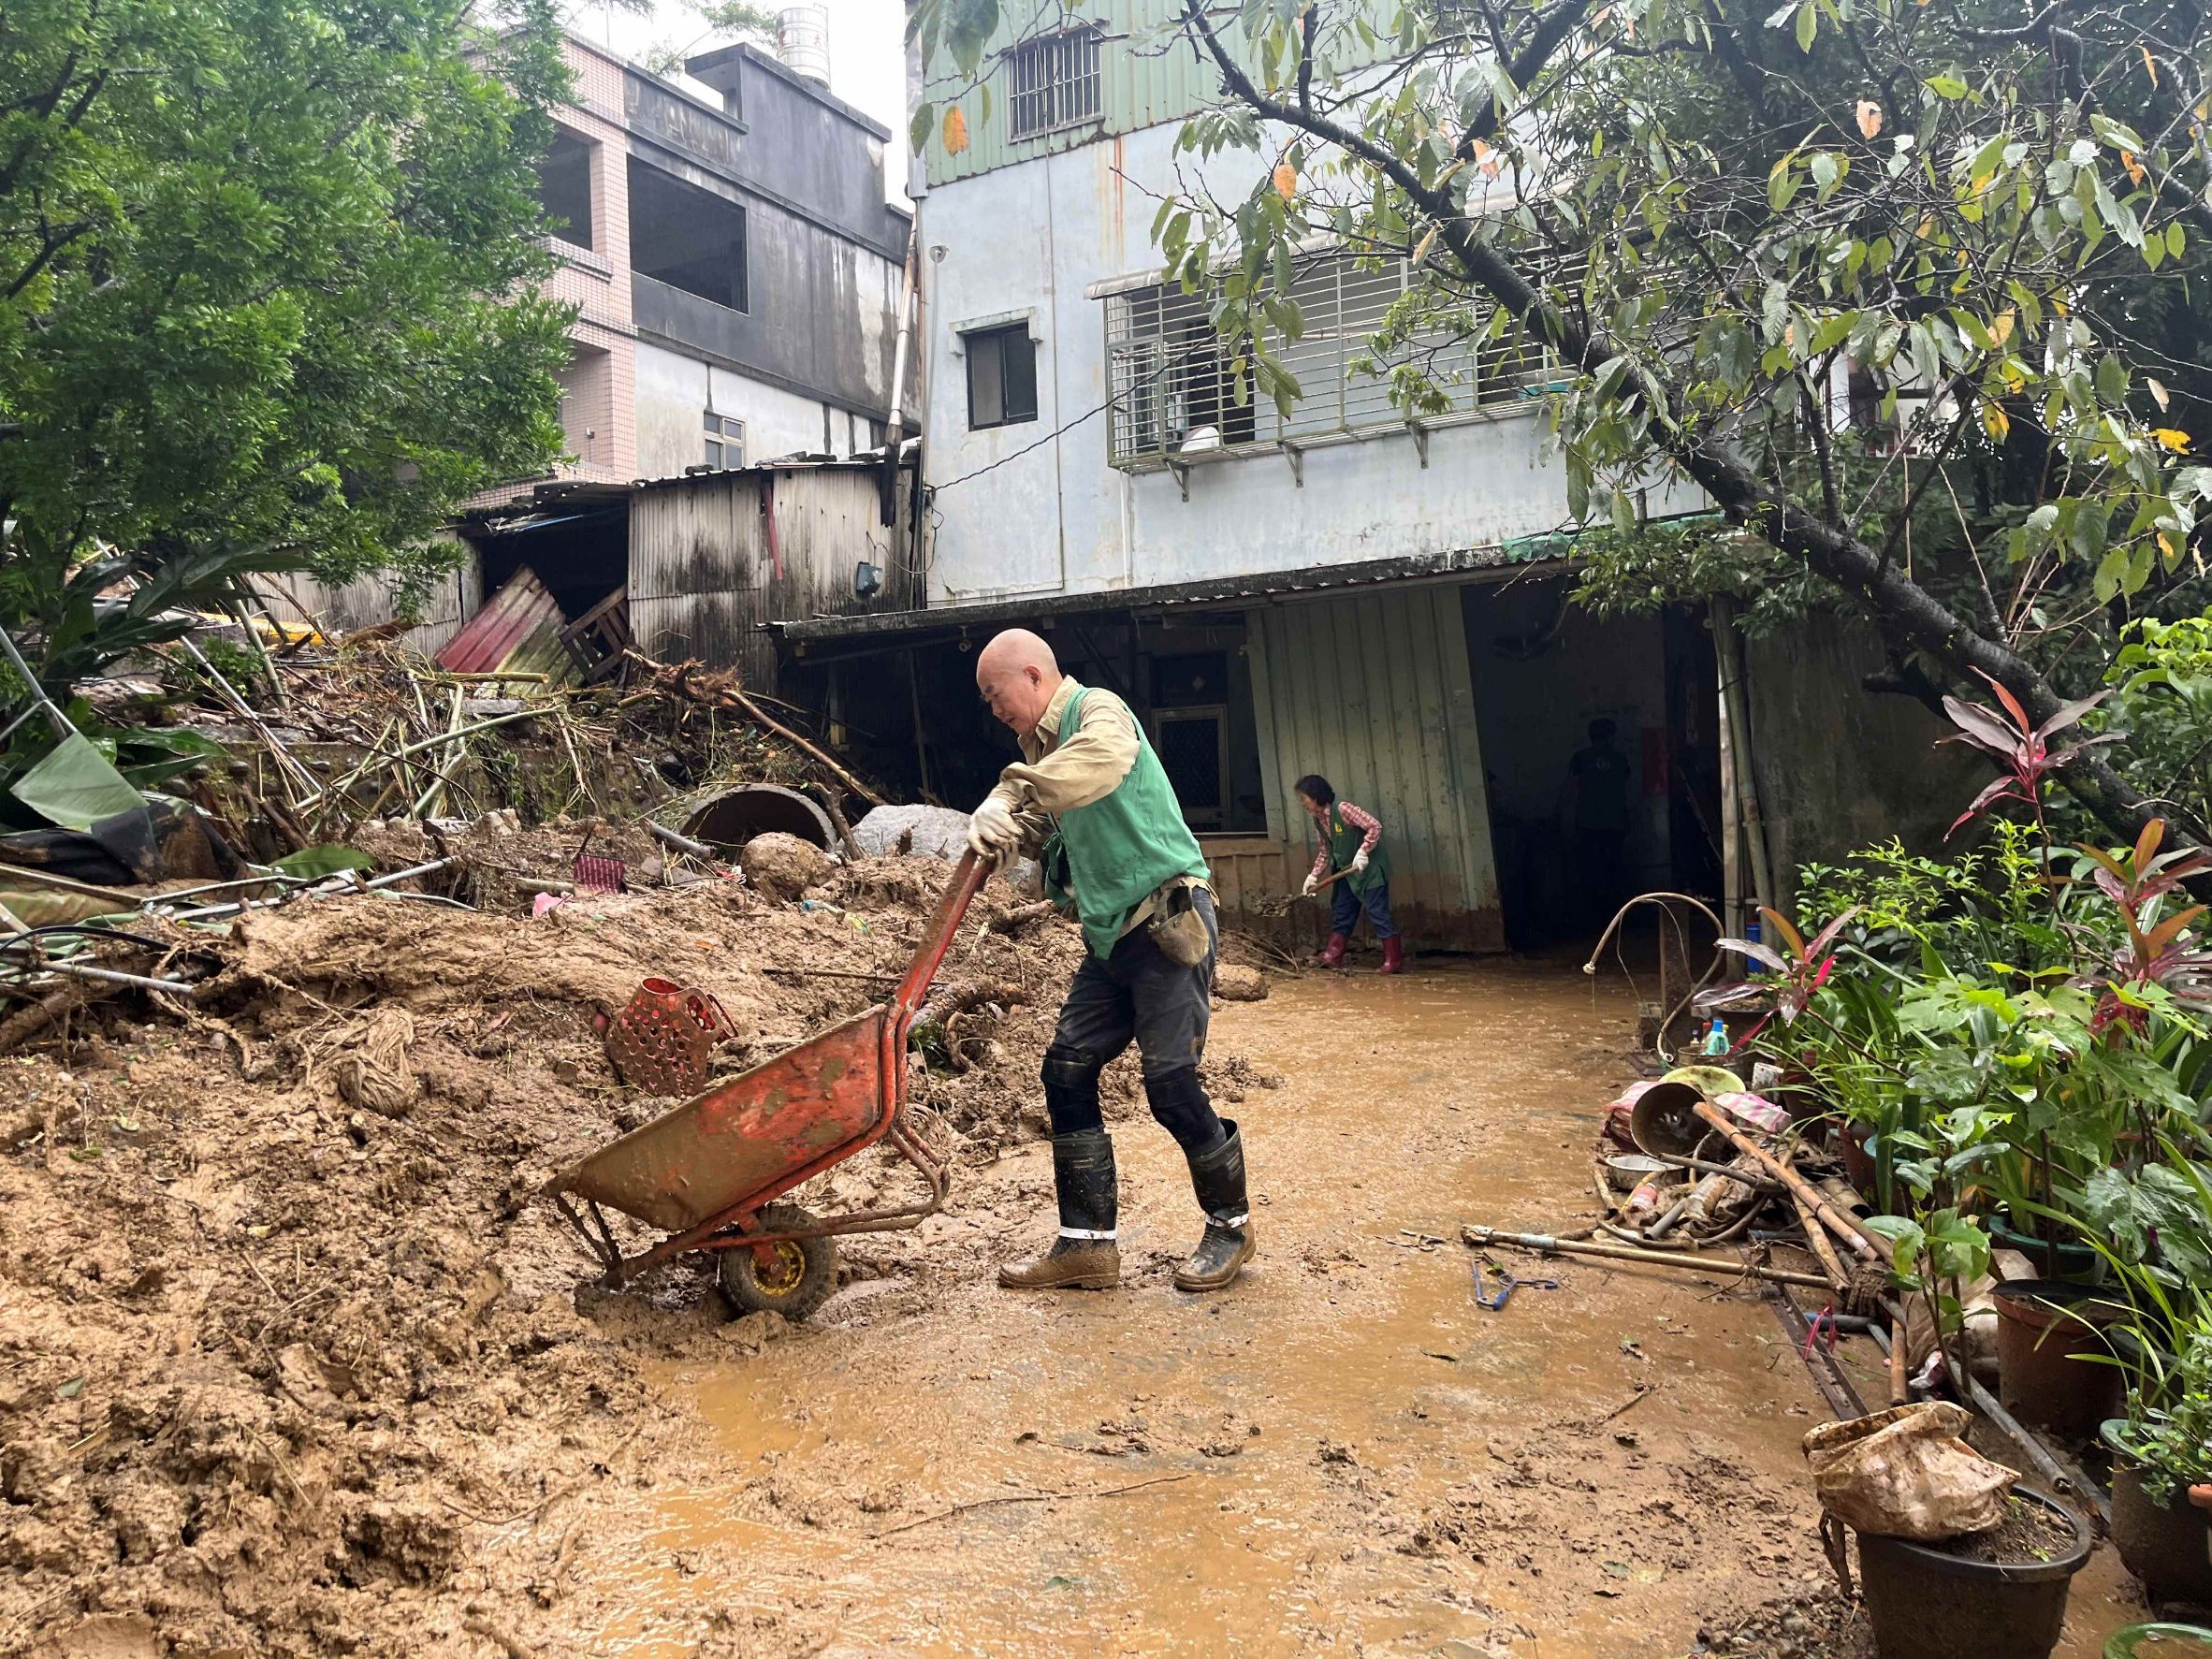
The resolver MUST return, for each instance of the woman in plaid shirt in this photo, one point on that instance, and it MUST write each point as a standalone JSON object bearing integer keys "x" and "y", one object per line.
{"x": 1351, "y": 842}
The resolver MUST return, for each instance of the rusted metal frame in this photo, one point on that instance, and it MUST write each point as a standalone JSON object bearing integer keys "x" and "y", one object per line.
{"x": 1826, "y": 1375}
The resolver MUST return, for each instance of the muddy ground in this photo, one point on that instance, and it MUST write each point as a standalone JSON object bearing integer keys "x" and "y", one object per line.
{"x": 291, "y": 1364}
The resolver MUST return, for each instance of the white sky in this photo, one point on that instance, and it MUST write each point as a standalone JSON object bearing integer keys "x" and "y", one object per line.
{"x": 867, "y": 50}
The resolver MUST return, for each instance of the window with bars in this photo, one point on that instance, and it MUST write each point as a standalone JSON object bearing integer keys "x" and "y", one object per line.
{"x": 1174, "y": 387}
{"x": 1053, "y": 82}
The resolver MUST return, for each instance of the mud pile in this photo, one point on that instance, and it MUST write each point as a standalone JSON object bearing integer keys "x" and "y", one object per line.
{"x": 285, "y": 1342}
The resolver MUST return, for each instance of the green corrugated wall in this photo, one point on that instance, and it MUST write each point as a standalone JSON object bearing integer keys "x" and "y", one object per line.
{"x": 1372, "y": 692}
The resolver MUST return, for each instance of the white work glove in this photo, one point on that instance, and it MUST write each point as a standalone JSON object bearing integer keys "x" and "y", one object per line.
{"x": 1313, "y": 885}
{"x": 1360, "y": 859}
{"x": 992, "y": 832}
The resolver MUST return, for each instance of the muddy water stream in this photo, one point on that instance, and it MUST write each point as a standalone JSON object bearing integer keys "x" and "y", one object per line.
{"x": 1342, "y": 1453}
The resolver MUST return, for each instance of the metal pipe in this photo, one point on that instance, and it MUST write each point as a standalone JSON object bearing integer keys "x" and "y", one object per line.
{"x": 668, "y": 838}
{"x": 1720, "y": 1267}
{"x": 108, "y": 976}
{"x": 323, "y": 890}
{"x": 1852, "y": 1231}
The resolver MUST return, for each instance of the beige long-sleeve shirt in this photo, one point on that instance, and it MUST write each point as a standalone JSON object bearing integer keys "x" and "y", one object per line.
{"x": 1060, "y": 770}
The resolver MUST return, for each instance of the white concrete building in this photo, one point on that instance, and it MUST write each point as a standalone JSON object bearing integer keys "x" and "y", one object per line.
{"x": 1278, "y": 595}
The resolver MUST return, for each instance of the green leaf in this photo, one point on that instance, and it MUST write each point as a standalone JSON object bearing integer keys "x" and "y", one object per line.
{"x": 2175, "y": 240}
{"x": 922, "y": 127}
{"x": 1946, "y": 86}
{"x": 2112, "y": 571}
{"x": 327, "y": 858}
{"x": 76, "y": 786}
{"x": 1808, "y": 25}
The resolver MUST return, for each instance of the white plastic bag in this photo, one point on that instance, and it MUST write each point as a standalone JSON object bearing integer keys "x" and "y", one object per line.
{"x": 1905, "y": 1473}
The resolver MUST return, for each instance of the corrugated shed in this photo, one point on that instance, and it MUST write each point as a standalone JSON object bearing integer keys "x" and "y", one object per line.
{"x": 704, "y": 575}
{"x": 1147, "y": 77}
{"x": 296, "y": 597}
{"x": 1373, "y": 693}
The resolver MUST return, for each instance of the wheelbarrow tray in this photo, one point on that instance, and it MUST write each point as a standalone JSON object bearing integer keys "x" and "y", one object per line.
{"x": 701, "y": 1172}
{"x": 750, "y": 1138}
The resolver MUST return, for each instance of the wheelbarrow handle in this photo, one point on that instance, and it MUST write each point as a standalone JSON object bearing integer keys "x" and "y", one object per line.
{"x": 968, "y": 877}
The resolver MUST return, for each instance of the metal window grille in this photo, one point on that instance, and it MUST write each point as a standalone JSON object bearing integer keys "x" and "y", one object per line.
{"x": 1055, "y": 81}
{"x": 1193, "y": 744}
{"x": 1173, "y": 387}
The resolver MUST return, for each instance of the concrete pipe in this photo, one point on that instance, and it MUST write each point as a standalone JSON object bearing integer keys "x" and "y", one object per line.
{"x": 733, "y": 818}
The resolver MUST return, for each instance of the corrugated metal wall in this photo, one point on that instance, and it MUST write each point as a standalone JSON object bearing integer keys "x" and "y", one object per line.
{"x": 1145, "y": 80}
{"x": 296, "y": 597}
{"x": 1372, "y": 691}
{"x": 701, "y": 580}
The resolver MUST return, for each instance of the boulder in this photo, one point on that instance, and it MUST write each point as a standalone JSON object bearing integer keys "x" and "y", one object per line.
{"x": 1233, "y": 983}
{"x": 783, "y": 867}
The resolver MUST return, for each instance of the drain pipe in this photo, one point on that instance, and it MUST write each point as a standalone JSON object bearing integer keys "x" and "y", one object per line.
{"x": 895, "y": 428}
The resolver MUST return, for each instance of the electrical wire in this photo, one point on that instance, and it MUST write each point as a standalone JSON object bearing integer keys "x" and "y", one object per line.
{"x": 1055, "y": 433}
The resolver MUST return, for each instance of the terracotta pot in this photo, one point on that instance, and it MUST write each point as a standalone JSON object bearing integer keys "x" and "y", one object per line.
{"x": 2042, "y": 1324}
{"x": 2168, "y": 1547}
{"x": 1926, "y": 1604}
{"x": 1858, "y": 1164}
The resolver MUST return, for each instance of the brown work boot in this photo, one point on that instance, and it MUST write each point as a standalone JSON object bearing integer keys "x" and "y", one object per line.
{"x": 1219, "y": 1179}
{"x": 1086, "y": 1256}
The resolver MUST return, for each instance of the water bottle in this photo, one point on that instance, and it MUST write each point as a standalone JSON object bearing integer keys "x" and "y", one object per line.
{"x": 1716, "y": 1039}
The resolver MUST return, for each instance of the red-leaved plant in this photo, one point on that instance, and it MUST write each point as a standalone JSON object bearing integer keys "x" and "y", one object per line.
{"x": 2019, "y": 744}
{"x": 2157, "y": 953}
{"x": 1800, "y": 967}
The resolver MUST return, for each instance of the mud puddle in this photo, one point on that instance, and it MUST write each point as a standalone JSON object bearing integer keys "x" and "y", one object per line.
{"x": 1343, "y": 1452}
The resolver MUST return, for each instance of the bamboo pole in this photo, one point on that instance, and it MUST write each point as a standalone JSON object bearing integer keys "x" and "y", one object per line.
{"x": 1852, "y": 1231}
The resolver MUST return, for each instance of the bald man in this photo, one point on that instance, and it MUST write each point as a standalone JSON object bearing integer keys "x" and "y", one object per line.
{"x": 1089, "y": 798}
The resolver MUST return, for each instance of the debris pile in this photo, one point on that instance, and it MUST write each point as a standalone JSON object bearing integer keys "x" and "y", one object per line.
{"x": 287, "y": 1341}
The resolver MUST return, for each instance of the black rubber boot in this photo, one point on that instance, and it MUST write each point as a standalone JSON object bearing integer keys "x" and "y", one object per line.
{"x": 1086, "y": 1256}
{"x": 1219, "y": 1179}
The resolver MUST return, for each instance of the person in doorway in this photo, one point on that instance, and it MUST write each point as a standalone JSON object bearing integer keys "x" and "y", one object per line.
{"x": 1090, "y": 799}
{"x": 1352, "y": 859}
{"x": 1596, "y": 810}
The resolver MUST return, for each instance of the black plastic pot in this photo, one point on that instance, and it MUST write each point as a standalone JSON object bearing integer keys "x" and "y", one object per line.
{"x": 1927, "y": 1604}
{"x": 2078, "y": 1263}
{"x": 2168, "y": 1547}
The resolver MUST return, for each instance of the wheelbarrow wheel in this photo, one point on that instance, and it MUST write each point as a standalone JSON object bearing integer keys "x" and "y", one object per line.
{"x": 796, "y": 1279}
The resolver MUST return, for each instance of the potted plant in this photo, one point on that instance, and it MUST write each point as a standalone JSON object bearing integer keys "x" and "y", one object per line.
{"x": 1999, "y": 1594}
{"x": 2162, "y": 1465}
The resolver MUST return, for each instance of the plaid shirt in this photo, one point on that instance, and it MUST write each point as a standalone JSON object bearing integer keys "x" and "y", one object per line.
{"x": 1364, "y": 821}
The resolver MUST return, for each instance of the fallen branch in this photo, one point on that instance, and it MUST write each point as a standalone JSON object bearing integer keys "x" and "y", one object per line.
{"x": 50, "y": 1010}
{"x": 721, "y": 690}
{"x": 1028, "y": 1497}
{"x": 1020, "y": 916}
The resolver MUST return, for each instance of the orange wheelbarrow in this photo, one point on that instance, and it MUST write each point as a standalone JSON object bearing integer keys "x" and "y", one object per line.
{"x": 708, "y": 1172}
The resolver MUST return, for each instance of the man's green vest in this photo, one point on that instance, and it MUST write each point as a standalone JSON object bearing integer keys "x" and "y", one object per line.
{"x": 1344, "y": 842}
{"x": 1123, "y": 848}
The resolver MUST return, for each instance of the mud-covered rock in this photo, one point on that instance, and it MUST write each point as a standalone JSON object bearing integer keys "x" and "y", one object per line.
{"x": 783, "y": 867}
{"x": 1233, "y": 983}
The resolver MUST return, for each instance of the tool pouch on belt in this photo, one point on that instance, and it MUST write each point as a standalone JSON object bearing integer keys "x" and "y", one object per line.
{"x": 1178, "y": 928}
